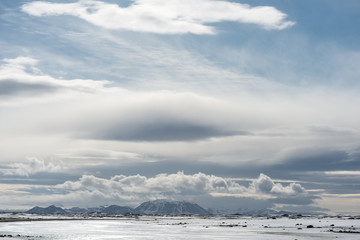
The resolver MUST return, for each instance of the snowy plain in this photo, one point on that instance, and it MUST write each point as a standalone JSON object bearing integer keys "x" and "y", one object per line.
{"x": 183, "y": 227}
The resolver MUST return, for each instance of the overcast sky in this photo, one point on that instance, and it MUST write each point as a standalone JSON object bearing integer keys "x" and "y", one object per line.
{"x": 229, "y": 104}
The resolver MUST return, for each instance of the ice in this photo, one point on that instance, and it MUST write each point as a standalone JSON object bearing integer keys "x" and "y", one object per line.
{"x": 163, "y": 227}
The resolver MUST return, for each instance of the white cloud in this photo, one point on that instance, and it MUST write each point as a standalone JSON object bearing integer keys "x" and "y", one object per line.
{"x": 33, "y": 166}
{"x": 178, "y": 183}
{"x": 170, "y": 185}
{"x": 265, "y": 184}
{"x": 164, "y": 17}
{"x": 19, "y": 63}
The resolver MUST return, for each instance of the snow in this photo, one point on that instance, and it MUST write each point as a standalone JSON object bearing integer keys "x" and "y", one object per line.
{"x": 163, "y": 227}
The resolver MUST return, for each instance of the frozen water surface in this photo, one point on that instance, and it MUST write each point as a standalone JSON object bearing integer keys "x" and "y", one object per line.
{"x": 146, "y": 227}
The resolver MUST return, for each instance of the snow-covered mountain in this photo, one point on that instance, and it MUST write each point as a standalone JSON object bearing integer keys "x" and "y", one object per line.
{"x": 167, "y": 207}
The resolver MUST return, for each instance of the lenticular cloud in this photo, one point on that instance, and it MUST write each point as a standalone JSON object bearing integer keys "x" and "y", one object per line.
{"x": 163, "y": 16}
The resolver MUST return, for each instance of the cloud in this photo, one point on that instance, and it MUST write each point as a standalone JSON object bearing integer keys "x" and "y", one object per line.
{"x": 295, "y": 200}
{"x": 33, "y": 166}
{"x": 331, "y": 131}
{"x": 131, "y": 190}
{"x": 116, "y": 114}
{"x": 172, "y": 126}
{"x": 293, "y": 193}
{"x": 318, "y": 159}
{"x": 21, "y": 63}
{"x": 163, "y": 17}
{"x": 179, "y": 184}
{"x": 161, "y": 116}
{"x": 265, "y": 184}
{"x": 11, "y": 87}
{"x": 21, "y": 77}
{"x": 160, "y": 130}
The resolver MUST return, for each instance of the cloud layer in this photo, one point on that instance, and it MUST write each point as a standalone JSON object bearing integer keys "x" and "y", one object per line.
{"x": 164, "y": 17}
{"x": 170, "y": 121}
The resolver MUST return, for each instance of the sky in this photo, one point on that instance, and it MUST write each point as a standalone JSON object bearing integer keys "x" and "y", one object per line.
{"x": 229, "y": 104}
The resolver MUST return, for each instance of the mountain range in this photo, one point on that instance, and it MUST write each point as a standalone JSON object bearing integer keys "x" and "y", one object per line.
{"x": 157, "y": 207}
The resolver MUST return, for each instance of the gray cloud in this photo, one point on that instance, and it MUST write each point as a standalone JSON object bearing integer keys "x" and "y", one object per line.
{"x": 302, "y": 208}
{"x": 298, "y": 200}
{"x": 164, "y": 131}
{"x": 320, "y": 160}
{"x": 19, "y": 77}
{"x": 13, "y": 87}
{"x": 331, "y": 131}
{"x": 265, "y": 184}
{"x": 118, "y": 114}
